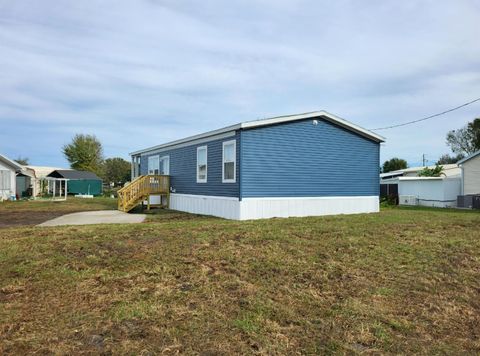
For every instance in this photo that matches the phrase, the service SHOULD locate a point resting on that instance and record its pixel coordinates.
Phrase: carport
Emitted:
(79, 182)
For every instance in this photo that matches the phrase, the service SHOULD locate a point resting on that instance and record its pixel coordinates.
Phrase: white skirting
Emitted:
(263, 208)
(224, 207)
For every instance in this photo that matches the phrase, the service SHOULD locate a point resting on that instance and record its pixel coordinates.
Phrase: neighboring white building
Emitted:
(42, 171)
(8, 171)
(470, 168)
(24, 181)
(426, 191)
(449, 170)
(438, 192)
(37, 174)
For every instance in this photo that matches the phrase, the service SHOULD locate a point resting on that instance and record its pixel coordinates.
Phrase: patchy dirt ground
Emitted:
(30, 213)
(26, 218)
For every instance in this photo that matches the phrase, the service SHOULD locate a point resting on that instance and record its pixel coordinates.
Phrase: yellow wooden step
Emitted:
(141, 188)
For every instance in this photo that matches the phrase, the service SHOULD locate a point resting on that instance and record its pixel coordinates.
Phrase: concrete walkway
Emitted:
(95, 217)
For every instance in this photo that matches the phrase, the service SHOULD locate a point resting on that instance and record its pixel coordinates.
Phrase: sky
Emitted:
(144, 72)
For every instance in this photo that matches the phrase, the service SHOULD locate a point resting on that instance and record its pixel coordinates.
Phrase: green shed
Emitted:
(79, 182)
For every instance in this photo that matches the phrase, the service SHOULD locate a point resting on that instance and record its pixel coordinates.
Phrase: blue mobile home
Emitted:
(298, 165)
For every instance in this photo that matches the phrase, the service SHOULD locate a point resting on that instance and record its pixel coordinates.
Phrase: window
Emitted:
(202, 164)
(153, 165)
(229, 162)
(159, 165)
(164, 165)
(5, 183)
(135, 166)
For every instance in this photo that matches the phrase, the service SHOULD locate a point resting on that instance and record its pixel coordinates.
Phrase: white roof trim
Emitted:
(172, 146)
(473, 155)
(11, 163)
(427, 178)
(187, 139)
(309, 115)
(272, 121)
(420, 178)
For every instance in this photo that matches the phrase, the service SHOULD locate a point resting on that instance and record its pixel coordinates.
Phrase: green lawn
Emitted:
(401, 281)
(71, 204)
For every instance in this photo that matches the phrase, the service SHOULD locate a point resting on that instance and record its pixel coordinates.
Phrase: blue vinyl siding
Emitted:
(299, 159)
(183, 169)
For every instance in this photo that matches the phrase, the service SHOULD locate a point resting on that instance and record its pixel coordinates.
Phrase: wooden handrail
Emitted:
(132, 182)
(141, 188)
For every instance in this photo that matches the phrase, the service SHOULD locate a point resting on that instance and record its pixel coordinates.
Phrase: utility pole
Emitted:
(423, 159)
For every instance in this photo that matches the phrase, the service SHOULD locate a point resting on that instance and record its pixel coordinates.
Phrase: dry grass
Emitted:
(402, 281)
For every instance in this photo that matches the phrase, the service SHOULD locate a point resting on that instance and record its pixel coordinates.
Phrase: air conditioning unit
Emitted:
(470, 201)
(407, 200)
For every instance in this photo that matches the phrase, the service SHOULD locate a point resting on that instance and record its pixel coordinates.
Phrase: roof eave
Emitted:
(11, 163)
(358, 129)
(473, 155)
(272, 121)
(420, 178)
(187, 139)
(311, 115)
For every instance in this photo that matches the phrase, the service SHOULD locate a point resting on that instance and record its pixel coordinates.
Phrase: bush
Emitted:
(389, 200)
(431, 172)
(109, 192)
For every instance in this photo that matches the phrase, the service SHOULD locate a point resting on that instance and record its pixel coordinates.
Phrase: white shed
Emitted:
(8, 170)
(440, 192)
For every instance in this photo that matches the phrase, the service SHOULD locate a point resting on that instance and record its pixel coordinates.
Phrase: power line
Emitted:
(426, 118)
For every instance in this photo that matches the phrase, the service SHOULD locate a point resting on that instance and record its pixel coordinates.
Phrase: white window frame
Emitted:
(200, 148)
(149, 164)
(165, 165)
(135, 167)
(227, 143)
(5, 180)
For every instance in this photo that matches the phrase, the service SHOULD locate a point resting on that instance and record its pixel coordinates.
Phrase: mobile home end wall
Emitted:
(308, 158)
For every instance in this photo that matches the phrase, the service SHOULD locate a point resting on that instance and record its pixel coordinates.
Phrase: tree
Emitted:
(465, 140)
(394, 164)
(85, 153)
(431, 172)
(22, 160)
(447, 159)
(116, 170)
